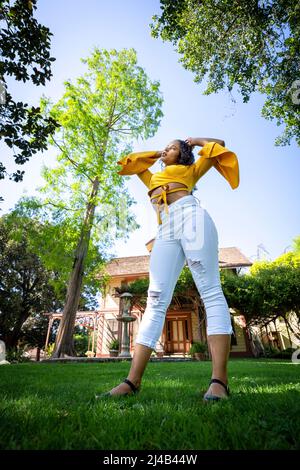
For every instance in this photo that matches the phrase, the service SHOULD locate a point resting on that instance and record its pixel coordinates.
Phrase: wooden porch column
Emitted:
(48, 332)
(93, 342)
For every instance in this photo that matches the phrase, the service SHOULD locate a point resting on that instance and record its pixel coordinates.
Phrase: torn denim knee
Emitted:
(153, 297)
(196, 264)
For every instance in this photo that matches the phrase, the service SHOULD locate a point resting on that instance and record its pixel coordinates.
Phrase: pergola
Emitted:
(88, 319)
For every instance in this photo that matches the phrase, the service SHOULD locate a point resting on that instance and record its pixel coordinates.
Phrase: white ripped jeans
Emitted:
(187, 233)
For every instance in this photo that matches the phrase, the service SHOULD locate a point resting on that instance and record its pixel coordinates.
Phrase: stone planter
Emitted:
(113, 352)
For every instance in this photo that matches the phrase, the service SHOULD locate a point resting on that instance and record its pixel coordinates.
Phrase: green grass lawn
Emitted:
(49, 406)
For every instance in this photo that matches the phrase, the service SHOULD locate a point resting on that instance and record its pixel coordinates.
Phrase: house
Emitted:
(277, 335)
(185, 319)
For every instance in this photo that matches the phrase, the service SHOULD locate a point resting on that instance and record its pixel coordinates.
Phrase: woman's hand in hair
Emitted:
(191, 142)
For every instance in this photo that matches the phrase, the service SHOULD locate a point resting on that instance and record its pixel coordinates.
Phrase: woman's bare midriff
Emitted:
(172, 197)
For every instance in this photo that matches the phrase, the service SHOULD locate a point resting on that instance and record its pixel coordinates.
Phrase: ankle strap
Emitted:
(221, 383)
(133, 387)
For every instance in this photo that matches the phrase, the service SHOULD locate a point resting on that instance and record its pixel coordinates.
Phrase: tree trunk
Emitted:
(288, 331)
(11, 339)
(268, 337)
(64, 345)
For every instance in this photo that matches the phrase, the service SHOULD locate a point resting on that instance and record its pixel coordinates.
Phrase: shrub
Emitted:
(81, 344)
(114, 344)
(285, 354)
(16, 354)
(198, 346)
(270, 351)
(49, 350)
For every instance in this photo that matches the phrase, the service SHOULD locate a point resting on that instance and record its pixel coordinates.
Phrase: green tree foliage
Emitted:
(34, 332)
(112, 104)
(30, 244)
(44, 225)
(81, 340)
(251, 44)
(271, 290)
(296, 245)
(24, 49)
(25, 287)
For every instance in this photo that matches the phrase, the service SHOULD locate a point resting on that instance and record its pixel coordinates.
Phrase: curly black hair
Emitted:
(186, 156)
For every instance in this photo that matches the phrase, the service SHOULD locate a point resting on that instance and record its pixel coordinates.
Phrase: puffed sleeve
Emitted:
(145, 177)
(135, 163)
(224, 160)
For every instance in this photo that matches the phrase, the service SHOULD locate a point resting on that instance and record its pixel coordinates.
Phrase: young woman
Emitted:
(186, 232)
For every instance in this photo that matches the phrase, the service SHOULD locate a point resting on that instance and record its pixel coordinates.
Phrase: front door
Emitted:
(177, 335)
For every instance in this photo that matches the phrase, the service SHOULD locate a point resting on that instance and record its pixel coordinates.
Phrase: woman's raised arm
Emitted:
(201, 141)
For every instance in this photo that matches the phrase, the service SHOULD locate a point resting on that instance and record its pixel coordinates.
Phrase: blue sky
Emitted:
(264, 209)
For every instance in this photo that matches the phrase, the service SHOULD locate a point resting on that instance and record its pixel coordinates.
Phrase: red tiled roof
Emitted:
(230, 257)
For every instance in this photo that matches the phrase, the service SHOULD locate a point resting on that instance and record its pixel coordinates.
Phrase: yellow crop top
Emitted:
(211, 154)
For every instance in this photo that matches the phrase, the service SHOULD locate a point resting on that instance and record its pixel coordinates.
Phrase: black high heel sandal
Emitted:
(127, 381)
(210, 397)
